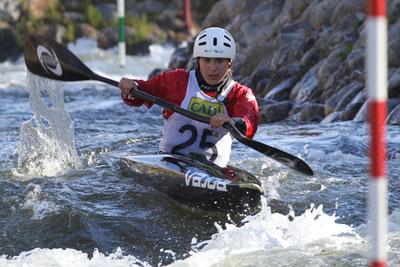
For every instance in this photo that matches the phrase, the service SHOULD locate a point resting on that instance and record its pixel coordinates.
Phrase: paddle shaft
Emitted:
(155, 100)
(51, 60)
(279, 155)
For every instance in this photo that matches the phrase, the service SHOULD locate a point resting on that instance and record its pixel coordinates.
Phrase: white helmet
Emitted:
(214, 42)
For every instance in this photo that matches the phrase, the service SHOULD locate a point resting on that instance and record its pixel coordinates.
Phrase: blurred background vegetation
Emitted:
(147, 21)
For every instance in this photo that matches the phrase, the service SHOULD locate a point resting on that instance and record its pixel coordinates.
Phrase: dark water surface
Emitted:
(99, 208)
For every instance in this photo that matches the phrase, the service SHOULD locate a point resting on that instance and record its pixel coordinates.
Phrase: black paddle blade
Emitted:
(49, 59)
(278, 155)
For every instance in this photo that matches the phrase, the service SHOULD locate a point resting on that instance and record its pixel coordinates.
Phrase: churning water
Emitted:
(74, 204)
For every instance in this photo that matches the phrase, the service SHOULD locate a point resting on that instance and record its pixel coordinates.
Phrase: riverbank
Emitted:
(303, 59)
(146, 22)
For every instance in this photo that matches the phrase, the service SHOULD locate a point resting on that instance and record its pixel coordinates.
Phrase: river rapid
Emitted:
(86, 209)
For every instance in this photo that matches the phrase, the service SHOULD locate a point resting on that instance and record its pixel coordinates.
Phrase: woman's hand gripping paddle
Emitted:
(49, 59)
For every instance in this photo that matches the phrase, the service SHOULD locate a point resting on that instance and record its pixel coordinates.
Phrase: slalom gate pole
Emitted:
(121, 33)
(188, 18)
(376, 70)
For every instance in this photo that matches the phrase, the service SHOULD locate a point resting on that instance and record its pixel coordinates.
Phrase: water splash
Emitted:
(266, 235)
(46, 145)
(70, 257)
(35, 201)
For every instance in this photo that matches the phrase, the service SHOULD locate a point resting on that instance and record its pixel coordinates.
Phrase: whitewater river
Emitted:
(86, 209)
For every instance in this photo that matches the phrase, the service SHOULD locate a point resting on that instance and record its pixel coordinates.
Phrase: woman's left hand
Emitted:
(219, 119)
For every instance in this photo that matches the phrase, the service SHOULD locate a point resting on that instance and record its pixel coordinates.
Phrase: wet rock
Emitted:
(350, 111)
(394, 45)
(258, 74)
(354, 107)
(253, 58)
(224, 12)
(275, 112)
(108, 38)
(355, 60)
(284, 73)
(108, 10)
(393, 10)
(261, 85)
(179, 58)
(88, 31)
(311, 112)
(394, 84)
(281, 92)
(264, 102)
(289, 48)
(361, 115)
(9, 44)
(307, 87)
(394, 116)
(288, 71)
(246, 81)
(290, 11)
(139, 48)
(392, 104)
(310, 58)
(341, 99)
(333, 117)
(321, 13)
(347, 7)
(328, 68)
(360, 97)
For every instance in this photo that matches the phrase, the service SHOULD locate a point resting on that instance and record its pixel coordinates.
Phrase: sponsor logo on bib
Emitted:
(205, 108)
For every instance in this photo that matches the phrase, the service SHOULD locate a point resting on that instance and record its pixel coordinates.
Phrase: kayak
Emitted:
(197, 182)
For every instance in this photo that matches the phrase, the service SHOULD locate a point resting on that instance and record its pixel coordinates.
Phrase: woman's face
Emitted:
(214, 70)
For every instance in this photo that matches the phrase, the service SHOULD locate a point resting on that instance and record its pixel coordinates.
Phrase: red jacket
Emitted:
(171, 86)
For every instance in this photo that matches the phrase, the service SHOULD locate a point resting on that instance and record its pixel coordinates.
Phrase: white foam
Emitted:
(12, 74)
(35, 201)
(70, 257)
(266, 233)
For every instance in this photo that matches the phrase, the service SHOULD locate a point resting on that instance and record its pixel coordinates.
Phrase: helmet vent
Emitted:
(214, 42)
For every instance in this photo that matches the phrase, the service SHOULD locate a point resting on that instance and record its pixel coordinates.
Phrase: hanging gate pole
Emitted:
(188, 18)
(121, 33)
(376, 70)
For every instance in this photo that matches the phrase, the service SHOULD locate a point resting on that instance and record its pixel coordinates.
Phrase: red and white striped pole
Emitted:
(188, 18)
(376, 59)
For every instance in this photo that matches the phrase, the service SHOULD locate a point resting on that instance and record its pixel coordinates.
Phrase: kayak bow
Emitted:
(197, 183)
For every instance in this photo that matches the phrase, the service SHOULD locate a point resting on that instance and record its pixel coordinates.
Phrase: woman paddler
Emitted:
(209, 91)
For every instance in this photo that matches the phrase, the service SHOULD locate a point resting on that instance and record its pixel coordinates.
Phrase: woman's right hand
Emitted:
(126, 86)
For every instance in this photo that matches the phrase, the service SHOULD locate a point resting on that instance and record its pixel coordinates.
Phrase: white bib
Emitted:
(183, 135)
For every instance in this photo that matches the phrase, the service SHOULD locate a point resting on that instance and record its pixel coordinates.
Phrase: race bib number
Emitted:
(205, 143)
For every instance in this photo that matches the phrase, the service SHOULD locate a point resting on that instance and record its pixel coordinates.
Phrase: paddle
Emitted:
(49, 59)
